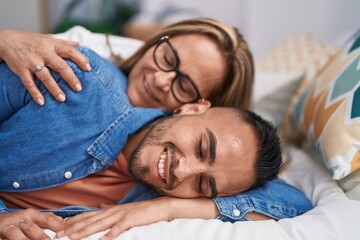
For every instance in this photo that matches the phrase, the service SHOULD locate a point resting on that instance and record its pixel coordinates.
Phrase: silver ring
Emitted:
(5, 229)
(38, 68)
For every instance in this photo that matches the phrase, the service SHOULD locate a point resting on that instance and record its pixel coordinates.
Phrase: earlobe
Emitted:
(193, 108)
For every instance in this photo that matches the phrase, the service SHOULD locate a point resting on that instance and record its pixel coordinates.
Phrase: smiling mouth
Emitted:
(161, 165)
(148, 90)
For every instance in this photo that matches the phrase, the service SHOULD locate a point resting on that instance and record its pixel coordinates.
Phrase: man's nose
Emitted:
(188, 168)
(163, 80)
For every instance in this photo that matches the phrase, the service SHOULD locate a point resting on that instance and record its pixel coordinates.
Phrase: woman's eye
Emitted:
(169, 61)
(182, 87)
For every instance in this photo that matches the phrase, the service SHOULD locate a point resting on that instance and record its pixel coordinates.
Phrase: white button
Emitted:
(68, 175)
(16, 185)
(103, 163)
(236, 212)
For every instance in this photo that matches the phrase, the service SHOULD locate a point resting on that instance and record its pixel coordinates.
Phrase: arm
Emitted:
(120, 218)
(23, 50)
(274, 200)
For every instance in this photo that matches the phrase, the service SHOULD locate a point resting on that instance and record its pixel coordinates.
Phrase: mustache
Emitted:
(174, 162)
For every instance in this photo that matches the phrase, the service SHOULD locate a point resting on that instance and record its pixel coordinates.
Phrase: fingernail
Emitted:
(88, 67)
(40, 101)
(61, 97)
(78, 87)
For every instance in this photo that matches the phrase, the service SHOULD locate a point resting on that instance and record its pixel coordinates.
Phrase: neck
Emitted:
(134, 140)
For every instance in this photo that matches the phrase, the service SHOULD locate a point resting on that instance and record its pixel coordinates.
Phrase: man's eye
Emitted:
(200, 149)
(200, 185)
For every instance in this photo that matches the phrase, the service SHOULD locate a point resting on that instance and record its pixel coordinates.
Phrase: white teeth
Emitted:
(161, 165)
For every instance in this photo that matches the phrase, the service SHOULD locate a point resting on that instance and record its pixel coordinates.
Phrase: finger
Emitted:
(95, 227)
(32, 231)
(73, 54)
(68, 42)
(84, 227)
(59, 65)
(14, 233)
(49, 82)
(28, 80)
(114, 231)
(78, 218)
(75, 223)
(51, 221)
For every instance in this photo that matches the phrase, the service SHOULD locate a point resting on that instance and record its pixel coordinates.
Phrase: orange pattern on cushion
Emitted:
(328, 111)
(323, 114)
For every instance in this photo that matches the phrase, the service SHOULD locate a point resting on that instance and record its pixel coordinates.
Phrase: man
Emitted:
(70, 155)
(193, 156)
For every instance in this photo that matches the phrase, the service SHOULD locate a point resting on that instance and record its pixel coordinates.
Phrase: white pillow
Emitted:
(97, 42)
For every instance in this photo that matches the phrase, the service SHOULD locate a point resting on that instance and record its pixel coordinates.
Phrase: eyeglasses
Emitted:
(166, 59)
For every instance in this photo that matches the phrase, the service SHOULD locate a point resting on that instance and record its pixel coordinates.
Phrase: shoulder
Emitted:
(101, 69)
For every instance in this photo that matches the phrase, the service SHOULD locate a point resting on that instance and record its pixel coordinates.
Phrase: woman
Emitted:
(168, 71)
(233, 86)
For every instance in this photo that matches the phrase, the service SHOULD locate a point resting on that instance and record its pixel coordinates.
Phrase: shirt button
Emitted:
(16, 185)
(68, 175)
(103, 163)
(236, 212)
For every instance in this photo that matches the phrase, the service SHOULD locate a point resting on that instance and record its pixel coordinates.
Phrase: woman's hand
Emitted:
(120, 218)
(23, 51)
(28, 224)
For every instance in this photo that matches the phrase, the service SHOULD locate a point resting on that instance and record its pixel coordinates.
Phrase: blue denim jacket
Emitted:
(42, 147)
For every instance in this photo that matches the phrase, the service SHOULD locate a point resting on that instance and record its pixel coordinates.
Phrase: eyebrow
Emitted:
(212, 157)
(212, 148)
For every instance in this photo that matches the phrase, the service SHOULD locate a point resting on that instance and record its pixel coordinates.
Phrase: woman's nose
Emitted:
(163, 80)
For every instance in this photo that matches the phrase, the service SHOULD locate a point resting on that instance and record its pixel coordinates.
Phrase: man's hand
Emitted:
(28, 224)
(120, 218)
(23, 51)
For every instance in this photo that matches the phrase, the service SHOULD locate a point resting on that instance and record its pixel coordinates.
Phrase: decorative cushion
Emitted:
(281, 73)
(328, 111)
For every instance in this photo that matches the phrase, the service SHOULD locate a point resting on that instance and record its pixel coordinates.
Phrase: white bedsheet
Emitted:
(335, 217)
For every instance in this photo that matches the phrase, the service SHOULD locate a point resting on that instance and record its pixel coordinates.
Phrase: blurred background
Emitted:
(264, 23)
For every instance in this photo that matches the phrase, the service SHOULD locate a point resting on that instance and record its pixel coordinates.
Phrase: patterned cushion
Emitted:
(328, 111)
(285, 71)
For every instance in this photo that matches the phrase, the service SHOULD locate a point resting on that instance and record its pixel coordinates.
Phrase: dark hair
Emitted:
(268, 155)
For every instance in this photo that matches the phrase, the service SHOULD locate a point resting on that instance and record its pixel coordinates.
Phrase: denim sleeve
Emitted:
(13, 94)
(276, 199)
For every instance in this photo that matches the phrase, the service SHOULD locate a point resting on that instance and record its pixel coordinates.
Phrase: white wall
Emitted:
(27, 15)
(264, 23)
(270, 22)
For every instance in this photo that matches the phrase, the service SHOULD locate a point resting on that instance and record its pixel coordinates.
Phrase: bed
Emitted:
(337, 207)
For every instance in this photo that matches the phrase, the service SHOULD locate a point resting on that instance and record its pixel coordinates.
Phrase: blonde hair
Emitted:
(236, 90)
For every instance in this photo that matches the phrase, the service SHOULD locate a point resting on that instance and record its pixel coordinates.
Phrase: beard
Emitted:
(154, 136)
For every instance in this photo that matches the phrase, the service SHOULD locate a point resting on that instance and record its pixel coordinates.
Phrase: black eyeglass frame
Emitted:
(165, 39)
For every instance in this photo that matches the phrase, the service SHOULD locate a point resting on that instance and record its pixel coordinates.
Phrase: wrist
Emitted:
(203, 208)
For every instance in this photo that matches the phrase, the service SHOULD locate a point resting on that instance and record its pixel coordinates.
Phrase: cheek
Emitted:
(183, 190)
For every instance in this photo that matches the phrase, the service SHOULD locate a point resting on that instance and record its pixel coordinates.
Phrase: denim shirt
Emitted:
(47, 146)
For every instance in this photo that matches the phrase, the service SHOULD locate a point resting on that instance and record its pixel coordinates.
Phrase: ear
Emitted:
(193, 108)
